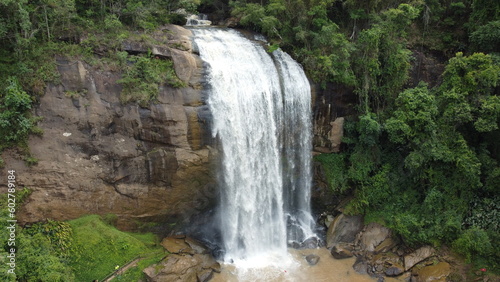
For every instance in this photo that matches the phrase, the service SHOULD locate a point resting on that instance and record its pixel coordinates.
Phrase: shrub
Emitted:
(473, 242)
(15, 123)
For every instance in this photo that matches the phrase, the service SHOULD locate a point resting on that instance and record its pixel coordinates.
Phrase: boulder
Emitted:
(342, 250)
(343, 229)
(189, 261)
(437, 272)
(372, 236)
(394, 270)
(183, 267)
(312, 259)
(417, 256)
(389, 264)
(175, 245)
(361, 265)
(386, 245)
(310, 243)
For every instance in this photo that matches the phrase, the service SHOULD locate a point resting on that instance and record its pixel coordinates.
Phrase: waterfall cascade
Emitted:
(261, 110)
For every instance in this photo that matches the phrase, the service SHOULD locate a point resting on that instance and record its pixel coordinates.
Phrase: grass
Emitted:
(98, 248)
(135, 273)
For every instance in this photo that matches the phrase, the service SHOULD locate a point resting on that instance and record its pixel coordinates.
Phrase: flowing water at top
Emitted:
(261, 110)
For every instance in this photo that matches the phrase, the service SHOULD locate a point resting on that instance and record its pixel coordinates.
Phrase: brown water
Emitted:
(297, 269)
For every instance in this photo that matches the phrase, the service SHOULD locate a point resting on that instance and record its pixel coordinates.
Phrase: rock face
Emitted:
(98, 156)
(331, 104)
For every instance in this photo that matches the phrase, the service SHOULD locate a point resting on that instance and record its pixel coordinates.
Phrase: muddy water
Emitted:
(295, 269)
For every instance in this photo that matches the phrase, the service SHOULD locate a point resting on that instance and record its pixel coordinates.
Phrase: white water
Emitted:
(261, 118)
(197, 20)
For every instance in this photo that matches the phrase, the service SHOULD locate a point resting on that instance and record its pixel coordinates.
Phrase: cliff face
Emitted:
(99, 156)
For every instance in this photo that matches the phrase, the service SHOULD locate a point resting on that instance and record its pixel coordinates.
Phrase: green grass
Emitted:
(98, 248)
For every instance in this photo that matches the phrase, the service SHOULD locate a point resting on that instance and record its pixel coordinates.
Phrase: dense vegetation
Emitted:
(421, 160)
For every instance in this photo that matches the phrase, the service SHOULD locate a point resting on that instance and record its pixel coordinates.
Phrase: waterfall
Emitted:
(261, 110)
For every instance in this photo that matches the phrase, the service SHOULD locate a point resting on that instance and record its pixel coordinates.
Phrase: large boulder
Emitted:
(342, 250)
(437, 272)
(372, 236)
(343, 229)
(417, 256)
(185, 268)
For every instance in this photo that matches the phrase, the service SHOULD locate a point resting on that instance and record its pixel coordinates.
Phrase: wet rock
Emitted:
(197, 246)
(342, 251)
(205, 275)
(361, 266)
(343, 229)
(437, 272)
(381, 262)
(312, 259)
(394, 270)
(417, 256)
(310, 243)
(294, 245)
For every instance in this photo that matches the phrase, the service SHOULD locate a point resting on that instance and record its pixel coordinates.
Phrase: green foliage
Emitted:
(110, 218)
(38, 261)
(487, 37)
(333, 165)
(473, 242)
(141, 80)
(428, 165)
(15, 120)
(467, 92)
(58, 233)
(135, 273)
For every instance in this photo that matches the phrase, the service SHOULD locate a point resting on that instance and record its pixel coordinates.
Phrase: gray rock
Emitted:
(205, 275)
(342, 251)
(343, 229)
(312, 259)
(373, 235)
(394, 270)
(310, 243)
(417, 256)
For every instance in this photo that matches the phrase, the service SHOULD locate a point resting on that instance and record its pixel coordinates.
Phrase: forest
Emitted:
(420, 158)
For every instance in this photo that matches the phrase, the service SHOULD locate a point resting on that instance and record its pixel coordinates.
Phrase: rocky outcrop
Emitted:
(99, 156)
(331, 105)
(189, 261)
(380, 254)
